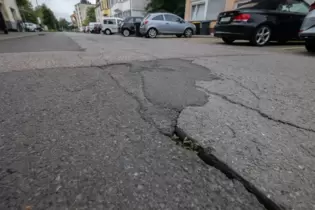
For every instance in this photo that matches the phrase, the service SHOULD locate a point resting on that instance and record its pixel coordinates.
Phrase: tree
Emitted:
(173, 6)
(90, 16)
(48, 17)
(27, 12)
(63, 24)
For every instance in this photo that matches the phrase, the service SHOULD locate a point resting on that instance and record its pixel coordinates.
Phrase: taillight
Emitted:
(241, 18)
(312, 7)
(145, 22)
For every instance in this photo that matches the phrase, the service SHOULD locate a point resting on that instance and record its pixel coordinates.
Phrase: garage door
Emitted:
(198, 12)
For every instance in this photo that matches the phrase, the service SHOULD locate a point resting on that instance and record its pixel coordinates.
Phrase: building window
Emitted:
(198, 12)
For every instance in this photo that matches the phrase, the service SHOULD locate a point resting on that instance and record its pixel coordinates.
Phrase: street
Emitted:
(107, 122)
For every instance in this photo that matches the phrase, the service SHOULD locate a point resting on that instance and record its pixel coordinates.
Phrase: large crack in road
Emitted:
(174, 89)
(72, 138)
(146, 101)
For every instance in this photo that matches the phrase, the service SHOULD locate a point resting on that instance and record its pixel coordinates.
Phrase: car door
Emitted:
(159, 23)
(293, 12)
(174, 24)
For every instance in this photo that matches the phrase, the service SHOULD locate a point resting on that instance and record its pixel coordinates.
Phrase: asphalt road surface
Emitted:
(106, 122)
(39, 43)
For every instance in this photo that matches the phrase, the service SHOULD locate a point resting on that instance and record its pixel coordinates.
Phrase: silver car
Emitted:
(307, 31)
(166, 23)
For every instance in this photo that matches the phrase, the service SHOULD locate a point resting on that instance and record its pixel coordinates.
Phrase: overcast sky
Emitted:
(61, 8)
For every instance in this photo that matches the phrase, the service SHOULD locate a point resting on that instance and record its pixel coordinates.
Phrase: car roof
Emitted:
(162, 13)
(105, 18)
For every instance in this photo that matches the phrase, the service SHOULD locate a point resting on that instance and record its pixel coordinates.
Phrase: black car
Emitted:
(128, 27)
(261, 21)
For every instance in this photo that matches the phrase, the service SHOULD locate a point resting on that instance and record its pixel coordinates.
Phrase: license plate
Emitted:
(225, 19)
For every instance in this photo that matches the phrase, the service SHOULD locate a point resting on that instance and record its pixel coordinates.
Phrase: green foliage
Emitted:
(48, 17)
(90, 16)
(173, 6)
(63, 24)
(27, 12)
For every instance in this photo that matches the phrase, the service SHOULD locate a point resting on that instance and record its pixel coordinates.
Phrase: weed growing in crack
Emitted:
(186, 143)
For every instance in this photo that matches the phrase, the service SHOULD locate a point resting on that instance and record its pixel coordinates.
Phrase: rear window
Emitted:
(138, 19)
(294, 6)
(127, 20)
(109, 21)
(147, 17)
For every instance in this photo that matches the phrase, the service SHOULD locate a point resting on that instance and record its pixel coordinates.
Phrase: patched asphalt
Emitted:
(73, 138)
(249, 108)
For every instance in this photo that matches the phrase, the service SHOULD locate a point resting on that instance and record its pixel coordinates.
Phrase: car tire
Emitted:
(152, 33)
(108, 32)
(261, 36)
(310, 46)
(179, 35)
(188, 33)
(126, 32)
(228, 40)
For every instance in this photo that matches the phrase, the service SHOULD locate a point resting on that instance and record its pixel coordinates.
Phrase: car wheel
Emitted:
(188, 33)
(108, 32)
(261, 36)
(126, 32)
(228, 40)
(310, 46)
(179, 35)
(152, 33)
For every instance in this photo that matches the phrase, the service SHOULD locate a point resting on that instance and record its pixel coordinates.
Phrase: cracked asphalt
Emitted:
(102, 122)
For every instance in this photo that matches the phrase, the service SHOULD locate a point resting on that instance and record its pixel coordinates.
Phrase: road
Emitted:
(107, 122)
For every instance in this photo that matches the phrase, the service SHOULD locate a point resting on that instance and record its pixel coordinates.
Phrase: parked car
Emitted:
(127, 26)
(94, 27)
(166, 23)
(307, 31)
(261, 21)
(110, 25)
(31, 27)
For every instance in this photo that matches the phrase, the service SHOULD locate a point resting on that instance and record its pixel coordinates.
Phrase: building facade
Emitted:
(80, 10)
(125, 8)
(105, 8)
(98, 11)
(198, 10)
(11, 14)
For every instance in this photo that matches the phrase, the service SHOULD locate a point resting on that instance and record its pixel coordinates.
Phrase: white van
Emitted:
(110, 25)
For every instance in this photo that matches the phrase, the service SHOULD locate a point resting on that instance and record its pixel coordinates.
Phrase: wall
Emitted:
(105, 7)
(81, 13)
(128, 7)
(98, 14)
(214, 8)
(12, 20)
(120, 7)
(139, 5)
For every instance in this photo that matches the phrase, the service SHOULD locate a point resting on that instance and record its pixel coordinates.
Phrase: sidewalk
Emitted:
(15, 35)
